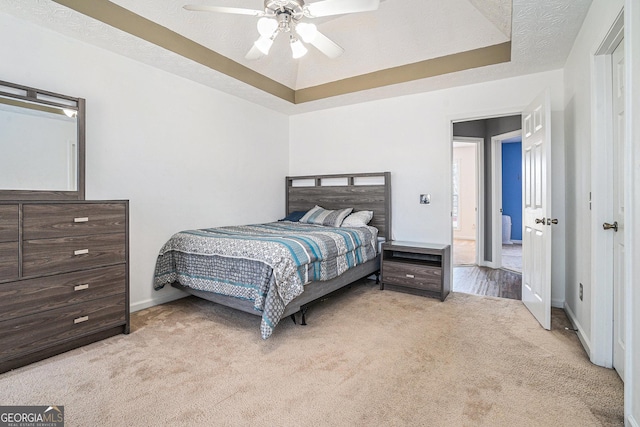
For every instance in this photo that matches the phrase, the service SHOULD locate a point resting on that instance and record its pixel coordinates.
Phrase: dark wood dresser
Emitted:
(64, 276)
(418, 268)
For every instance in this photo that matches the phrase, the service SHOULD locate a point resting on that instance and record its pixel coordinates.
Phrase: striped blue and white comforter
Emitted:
(268, 264)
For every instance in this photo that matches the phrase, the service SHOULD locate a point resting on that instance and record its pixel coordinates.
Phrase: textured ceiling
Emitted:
(401, 32)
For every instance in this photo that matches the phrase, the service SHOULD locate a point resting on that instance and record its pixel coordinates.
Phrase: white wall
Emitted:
(410, 136)
(185, 155)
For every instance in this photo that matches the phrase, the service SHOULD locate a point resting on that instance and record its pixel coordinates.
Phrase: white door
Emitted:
(536, 239)
(618, 209)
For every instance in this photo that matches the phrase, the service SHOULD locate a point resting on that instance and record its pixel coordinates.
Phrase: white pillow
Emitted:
(358, 219)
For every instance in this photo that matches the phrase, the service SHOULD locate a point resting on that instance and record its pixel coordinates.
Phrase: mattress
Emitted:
(268, 264)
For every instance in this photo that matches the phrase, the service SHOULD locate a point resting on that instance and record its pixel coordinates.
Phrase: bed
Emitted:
(265, 270)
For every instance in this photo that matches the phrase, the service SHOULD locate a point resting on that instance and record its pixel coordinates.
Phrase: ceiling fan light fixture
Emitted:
(307, 31)
(264, 44)
(284, 16)
(297, 48)
(267, 26)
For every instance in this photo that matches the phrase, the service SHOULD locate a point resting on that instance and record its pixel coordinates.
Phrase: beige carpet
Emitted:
(367, 358)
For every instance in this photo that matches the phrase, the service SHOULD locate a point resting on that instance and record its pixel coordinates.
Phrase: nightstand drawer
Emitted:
(31, 333)
(413, 276)
(44, 221)
(61, 255)
(46, 293)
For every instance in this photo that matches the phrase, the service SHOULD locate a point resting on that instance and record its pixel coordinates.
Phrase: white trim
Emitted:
(496, 192)
(480, 190)
(579, 330)
(455, 162)
(483, 115)
(141, 305)
(632, 209)
(557, 303)
(602, 198)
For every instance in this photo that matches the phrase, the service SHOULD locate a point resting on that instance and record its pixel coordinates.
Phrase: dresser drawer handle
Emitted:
(410, 276)
(81, 219)
(81, 252)
(80, 319)
(81, 287)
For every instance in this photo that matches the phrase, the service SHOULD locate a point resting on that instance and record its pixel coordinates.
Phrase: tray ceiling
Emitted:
(406, 46)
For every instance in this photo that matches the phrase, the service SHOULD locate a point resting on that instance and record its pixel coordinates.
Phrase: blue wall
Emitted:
(512, 186)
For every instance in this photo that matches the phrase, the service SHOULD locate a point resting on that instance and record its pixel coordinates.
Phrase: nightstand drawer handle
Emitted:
(80, 319)
(81, 252)
(81, 287)
(81, 219)
(410, 276)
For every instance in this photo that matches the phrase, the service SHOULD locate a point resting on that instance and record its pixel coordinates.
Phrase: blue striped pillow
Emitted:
(320, 216)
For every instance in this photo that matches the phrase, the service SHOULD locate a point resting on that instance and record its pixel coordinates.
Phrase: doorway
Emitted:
(476, 225)
(608, 189)
(507, 199)
(464, 212)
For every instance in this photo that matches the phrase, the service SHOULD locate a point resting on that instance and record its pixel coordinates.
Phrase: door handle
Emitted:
(613, 226)
(551, 221)
(542, 221)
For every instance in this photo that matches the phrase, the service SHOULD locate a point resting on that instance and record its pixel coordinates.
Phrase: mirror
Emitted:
(42, 144)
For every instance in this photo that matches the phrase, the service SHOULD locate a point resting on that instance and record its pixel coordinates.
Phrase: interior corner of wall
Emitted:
(584, 339)
(151, 302)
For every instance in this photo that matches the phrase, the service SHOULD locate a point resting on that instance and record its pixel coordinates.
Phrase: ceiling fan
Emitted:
(285, 16)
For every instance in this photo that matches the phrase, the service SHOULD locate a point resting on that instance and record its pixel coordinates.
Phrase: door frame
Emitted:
(496, 192)
(479, 142)
(601, 349)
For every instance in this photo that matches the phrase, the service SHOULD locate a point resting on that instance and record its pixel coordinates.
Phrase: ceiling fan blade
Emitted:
(339, 7)
(222, 9)
(327, 46)
(254, 53)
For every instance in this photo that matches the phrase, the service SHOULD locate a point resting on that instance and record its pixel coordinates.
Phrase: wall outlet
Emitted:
(581, 292)
(425, 199)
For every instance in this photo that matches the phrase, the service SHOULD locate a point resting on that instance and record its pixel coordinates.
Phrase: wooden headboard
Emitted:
(360, 191)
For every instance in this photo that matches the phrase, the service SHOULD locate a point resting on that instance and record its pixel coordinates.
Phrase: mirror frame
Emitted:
(30, 94)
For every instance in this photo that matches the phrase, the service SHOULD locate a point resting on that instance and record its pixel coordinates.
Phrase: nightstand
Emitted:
(417, 268)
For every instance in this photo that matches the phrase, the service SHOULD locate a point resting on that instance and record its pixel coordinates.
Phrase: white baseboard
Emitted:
(141, 305)
(517, 242)
(580, 331)
(556, 303)
(631, 421)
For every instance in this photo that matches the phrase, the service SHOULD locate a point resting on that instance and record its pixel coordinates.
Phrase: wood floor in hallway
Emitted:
(487, 281)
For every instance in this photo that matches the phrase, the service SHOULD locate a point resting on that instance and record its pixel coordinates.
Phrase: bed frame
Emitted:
(362, 191)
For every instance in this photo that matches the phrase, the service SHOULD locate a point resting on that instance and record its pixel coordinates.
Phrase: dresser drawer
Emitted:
(45, 293)
(413, 276)
(44, 221)
(9, 223)
(8, 261)
(38, 331)
(48, 256)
